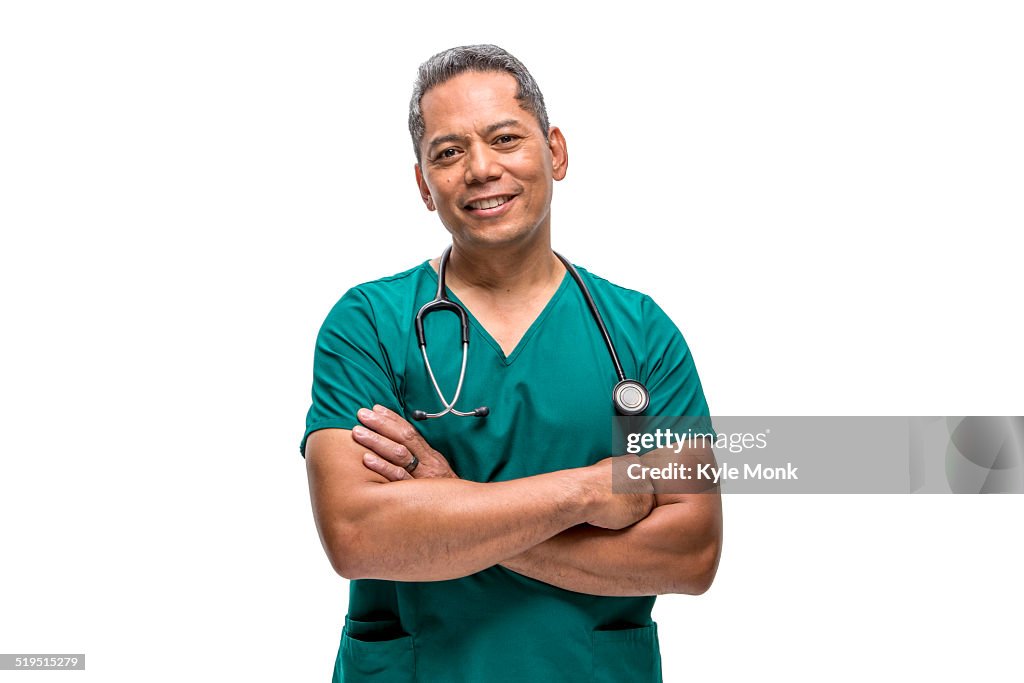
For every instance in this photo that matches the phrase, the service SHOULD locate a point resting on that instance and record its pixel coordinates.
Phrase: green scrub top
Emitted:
(550, 409)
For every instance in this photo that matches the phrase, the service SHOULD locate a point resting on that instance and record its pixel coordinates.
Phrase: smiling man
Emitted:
(487, 544)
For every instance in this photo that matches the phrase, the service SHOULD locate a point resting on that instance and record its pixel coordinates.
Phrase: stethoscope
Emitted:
(629, 396)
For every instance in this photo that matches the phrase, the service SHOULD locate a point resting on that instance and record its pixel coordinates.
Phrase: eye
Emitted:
(446, 154)
(506, 139)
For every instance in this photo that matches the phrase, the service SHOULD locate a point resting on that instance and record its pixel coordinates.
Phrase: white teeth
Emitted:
(488, 203)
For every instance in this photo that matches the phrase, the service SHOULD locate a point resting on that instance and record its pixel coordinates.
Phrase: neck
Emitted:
(508, 269)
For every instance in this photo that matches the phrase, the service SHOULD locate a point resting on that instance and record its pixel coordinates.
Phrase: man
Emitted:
(493, 548)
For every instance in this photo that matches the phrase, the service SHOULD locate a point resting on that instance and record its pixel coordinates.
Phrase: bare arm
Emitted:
(444, 528)
(675, 549)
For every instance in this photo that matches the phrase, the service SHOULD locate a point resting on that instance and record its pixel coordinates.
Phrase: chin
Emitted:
(496, 234)
(490, 237)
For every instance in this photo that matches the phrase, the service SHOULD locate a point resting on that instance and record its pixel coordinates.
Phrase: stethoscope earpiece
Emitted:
(482, 411)
(629, 396)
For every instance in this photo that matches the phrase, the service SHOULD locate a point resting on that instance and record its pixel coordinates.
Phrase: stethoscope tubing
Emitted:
(596, 313)
(630, 397)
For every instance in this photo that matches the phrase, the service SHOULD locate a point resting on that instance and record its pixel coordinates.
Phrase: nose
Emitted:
(482, 164)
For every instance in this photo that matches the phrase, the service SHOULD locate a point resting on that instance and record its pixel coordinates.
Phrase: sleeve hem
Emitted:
(337, 423)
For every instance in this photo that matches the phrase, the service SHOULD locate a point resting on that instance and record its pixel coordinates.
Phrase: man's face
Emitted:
(486, 167)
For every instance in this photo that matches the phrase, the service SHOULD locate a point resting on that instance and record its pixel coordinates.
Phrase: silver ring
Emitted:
(413, 464)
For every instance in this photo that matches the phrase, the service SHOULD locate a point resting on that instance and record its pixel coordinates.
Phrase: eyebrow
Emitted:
(494, 127)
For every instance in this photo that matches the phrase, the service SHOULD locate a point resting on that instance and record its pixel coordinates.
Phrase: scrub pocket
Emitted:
(376, 651)
(627, 655)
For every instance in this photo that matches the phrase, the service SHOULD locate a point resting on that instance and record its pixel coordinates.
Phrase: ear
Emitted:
(559, 153)
(424, 190)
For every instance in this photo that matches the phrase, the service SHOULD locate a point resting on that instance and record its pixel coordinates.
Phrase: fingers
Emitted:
(393, 439)
(382, 446)
(384, 468)
(393, 426)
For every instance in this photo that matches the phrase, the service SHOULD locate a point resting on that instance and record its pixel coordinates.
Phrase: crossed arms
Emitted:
(565, 528)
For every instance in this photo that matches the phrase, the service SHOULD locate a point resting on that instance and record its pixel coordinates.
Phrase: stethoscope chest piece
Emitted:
(630, 397)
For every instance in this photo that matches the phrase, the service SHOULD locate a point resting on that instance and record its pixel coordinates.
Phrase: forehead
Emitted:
(470, 101)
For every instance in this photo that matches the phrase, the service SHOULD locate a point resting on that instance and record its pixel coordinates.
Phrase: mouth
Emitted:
(490, 206)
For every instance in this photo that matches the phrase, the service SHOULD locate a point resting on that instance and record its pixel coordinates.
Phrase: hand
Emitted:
(617, 510)
(392, 443)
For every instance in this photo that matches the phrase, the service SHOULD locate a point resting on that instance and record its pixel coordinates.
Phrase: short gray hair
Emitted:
(446, 65)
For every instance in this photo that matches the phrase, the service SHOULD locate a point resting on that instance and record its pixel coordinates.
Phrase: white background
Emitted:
(825, 196)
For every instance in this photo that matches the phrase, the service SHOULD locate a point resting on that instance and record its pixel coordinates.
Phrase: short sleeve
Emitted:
(350, 367)
(671, 379)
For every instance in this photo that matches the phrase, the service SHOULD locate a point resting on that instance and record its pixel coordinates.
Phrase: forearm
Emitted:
(673, 550)
(437, 529)
(378, 521)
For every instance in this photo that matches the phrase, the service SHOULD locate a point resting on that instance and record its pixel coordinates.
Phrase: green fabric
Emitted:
(550, 409)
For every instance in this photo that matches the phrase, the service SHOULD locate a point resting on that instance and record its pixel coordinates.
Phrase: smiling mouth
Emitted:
(491, 203)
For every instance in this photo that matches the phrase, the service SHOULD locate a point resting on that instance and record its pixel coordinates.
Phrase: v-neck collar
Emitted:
(530, 331)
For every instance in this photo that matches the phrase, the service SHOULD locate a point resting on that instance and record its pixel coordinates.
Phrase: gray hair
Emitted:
(446, 65)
